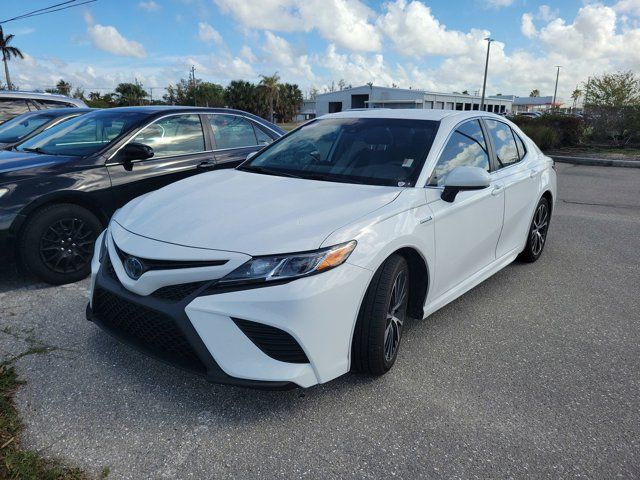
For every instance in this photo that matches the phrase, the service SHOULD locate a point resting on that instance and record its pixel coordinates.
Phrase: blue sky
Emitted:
(434, 45)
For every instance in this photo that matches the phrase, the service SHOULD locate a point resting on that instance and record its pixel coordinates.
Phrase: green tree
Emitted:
(209, 94)
(535, 93)
(289, 102)
(8, 52)
(62, 88)
(575, 95)
(269, 89)
(618, 89)
(130, 94)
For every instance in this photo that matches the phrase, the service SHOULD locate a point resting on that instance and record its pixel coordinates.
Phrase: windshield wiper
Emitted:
(267, 171)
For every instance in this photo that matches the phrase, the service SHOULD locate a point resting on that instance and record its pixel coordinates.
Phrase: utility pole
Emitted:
(486, 68)
(193, 79)
(555, 91)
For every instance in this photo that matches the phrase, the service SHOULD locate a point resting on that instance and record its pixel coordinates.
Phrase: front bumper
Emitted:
(203, 330)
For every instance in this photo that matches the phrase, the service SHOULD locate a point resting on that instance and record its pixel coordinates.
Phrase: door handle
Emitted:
(207, 164)
(497, 190)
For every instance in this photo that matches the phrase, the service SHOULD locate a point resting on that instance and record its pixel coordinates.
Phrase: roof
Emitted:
(410, 113)
(533, 100)
(41, 96)
(416, 91)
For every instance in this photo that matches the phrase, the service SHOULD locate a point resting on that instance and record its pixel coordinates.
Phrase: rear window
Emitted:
(10, 108)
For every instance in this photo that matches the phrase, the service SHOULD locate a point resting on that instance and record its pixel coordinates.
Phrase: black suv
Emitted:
(59, 188)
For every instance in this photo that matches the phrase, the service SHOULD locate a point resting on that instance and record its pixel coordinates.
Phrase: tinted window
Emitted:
(54, 104)
(11, 108)
(231, 131)
(466, 147)
(19, 127)
(376, 151)
(174, 135)
(522, 150)
(84, 135)
(262, 136)
(503, 143)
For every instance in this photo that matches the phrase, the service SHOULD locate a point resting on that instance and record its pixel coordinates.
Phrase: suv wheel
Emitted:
(378, 331)
(57, 243)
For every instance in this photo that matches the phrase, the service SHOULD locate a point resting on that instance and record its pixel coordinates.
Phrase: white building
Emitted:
(387, 97)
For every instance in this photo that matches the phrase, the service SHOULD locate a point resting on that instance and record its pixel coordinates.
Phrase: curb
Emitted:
(599, 162)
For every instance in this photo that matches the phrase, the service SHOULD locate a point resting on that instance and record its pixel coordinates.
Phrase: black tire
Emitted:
(369, 352)
(537, 236)
(45, 247)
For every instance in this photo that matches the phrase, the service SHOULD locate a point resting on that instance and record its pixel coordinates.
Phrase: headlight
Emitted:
(286, 267)
(3, 191)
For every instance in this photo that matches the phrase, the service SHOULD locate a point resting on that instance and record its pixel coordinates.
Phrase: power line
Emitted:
(53, 8)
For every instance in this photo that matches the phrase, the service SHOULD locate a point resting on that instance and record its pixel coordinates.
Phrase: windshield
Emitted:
(19, 127)
(84, 135)
(374, 151)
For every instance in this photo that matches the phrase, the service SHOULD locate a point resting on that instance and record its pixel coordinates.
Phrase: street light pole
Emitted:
(555, 91)
(486, 68)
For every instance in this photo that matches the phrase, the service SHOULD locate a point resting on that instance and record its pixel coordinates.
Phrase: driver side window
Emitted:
(466, 147)
(173, 135)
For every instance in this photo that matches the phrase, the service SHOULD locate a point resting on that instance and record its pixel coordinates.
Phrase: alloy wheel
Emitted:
(67, 245)
(395, 316)
(539, 229)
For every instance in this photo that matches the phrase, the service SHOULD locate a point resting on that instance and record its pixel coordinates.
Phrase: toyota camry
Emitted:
(304, 262)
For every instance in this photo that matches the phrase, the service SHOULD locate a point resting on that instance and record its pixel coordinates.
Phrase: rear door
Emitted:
(515, 169)
(234, 137)
(180, 150)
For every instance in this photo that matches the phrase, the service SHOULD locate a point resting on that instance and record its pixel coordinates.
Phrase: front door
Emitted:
(467, 229)
(178, 144)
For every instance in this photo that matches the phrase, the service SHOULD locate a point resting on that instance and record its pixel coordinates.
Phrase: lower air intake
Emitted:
(274, 342)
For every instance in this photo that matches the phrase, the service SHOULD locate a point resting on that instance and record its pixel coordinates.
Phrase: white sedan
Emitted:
(304, 262)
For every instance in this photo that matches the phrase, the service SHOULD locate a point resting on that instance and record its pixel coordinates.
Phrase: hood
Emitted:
(12, 160)
(249, 212)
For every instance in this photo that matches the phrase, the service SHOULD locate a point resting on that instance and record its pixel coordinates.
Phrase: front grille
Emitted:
(276, 343)
(146, 328)
(176, 293)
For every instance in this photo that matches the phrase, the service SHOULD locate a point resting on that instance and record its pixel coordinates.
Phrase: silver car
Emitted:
(14, 103)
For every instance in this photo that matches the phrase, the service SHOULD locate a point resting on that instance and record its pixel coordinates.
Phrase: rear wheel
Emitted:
(537, 237)
(57, 243)
(378, 331)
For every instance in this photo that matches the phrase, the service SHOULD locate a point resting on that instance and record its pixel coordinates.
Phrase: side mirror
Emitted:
(134, 151)
(251, 155)
(464, 178)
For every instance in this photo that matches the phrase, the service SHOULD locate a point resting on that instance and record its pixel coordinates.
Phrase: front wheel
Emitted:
(537, 237)
(376, 339)
(57, 243)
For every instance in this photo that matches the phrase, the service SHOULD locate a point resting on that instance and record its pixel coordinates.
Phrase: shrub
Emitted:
(552, 130)
(617, 126)
(545, 137)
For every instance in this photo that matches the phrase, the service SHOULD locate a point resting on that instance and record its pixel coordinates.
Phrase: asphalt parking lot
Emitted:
(535, 373)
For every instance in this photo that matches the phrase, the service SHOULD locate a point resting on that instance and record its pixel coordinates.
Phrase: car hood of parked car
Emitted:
(11, 161)
(250, 213)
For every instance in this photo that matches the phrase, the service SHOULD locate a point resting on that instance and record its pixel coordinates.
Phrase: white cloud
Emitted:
(247, 54)
(108, 39)
(281, 55)
(415, 31)
(631, 7)
(207, 33)
(546, 13)
(149, 6)
(345, 22)
(527, 27)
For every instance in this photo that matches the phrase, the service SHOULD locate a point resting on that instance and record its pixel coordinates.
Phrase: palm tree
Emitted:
(7, 53)
(269, 87)
(535, 93)
(577, 93)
